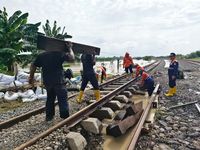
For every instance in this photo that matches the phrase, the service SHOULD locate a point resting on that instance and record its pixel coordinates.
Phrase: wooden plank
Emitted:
(53, 44)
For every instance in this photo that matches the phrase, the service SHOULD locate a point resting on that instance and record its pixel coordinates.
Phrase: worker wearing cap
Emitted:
(172, 74)
(128, 63)
(53, 78)
(147, 81)
(88, 61)
(138, 68)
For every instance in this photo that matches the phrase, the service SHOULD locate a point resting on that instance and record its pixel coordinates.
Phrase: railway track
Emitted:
(123, 85)
(194, 62)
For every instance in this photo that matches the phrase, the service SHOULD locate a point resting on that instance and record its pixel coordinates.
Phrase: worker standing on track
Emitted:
(88, 61)
(138, 68)
(53, 78)
(128, 63)
(172, 74)
(147, 81)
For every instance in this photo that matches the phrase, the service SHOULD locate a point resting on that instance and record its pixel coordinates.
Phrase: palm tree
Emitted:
(55, 31)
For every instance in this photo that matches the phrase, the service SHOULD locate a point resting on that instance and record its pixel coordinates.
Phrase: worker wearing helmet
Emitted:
(128, 63)
(88, 61)
(172, 74)
(147, 81)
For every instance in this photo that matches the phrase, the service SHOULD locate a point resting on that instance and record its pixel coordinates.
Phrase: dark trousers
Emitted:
(89, 77)
(102, 77)
(149, 85)
(60, 92)
(172, 83)
(129, 69)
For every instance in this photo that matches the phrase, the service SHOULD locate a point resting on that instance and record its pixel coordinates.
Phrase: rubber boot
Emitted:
(174, 90)
(97, 94)
(80, 97)
(170, 93)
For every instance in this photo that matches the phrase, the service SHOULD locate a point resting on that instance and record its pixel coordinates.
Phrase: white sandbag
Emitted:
(3, 85)
(42, 96)
(26, 94)
(39, 91)
(30, 99)
(25, 83)
(11, 96)
(6, 79)
(1, 95)
(22, 77)
(17, 83)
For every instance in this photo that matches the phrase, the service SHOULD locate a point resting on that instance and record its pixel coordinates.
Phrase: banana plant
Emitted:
(55, 31)
(13, 32)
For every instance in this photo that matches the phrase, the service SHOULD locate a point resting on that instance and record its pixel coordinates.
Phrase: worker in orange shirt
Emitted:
(147, 82)
(138, 68)
(128, 63)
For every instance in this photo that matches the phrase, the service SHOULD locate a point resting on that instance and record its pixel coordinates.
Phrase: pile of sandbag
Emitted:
(26, 96)
(7, 81)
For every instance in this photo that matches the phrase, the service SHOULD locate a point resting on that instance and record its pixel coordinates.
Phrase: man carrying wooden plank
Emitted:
(53, 78)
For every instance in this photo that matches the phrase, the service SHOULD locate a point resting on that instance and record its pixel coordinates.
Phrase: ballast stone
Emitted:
(76, 141)
(92, 125)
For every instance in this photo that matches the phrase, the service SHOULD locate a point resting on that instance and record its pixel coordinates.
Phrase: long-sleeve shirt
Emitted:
(138, 68)
(173, 68)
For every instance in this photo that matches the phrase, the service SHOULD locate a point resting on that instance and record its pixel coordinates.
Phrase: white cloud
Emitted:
(142, 27)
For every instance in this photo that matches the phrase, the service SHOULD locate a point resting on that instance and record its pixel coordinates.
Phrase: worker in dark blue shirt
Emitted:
(88, 61)
(172, 74)
(53, 79)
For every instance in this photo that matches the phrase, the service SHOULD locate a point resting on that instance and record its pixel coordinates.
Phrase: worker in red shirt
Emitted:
(128, 63)
(147, 82)
(138, 67)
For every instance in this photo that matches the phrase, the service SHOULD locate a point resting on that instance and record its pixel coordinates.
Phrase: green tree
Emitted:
(55, 31)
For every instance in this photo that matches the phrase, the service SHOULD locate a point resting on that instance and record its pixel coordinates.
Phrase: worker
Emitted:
(88, 61)
(128, 63)
(147, 82)
(101, 70)
(172, 74)
(138, 68)
(53, 79)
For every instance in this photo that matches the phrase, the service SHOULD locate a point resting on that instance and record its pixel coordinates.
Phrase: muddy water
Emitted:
(122, 142)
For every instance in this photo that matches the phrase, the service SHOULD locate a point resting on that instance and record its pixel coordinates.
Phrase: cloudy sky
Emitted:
(141, 27)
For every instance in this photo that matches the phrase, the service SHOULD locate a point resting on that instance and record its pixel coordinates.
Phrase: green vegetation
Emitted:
(55, 31)
(193, 55)
(13, 32)
(148, 58)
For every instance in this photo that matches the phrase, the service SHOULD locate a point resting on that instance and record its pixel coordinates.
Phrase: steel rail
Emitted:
(136, 131)
(80, 115)
(12, 121)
